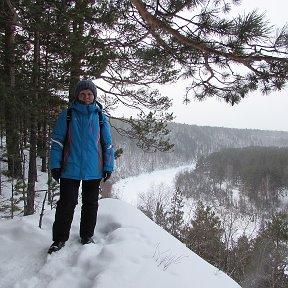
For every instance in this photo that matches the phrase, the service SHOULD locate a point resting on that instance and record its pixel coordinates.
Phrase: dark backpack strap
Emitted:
(101, 122)
(68, 120)
(68, 117)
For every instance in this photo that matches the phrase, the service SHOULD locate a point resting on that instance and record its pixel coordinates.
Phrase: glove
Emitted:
(107, 175)
(56, 173)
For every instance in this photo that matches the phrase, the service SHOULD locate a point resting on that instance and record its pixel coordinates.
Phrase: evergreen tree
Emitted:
(175, 221)
(268, 262)
(239, 258)
(208, 43)
(9, 93)
(205, 234)
(160, 216)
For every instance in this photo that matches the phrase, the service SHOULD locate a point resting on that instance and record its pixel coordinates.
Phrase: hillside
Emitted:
(190, 143)
(24, 246)
(130, 251)
(257, 175)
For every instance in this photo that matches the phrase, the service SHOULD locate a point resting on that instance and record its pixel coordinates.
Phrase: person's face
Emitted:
(86, 96)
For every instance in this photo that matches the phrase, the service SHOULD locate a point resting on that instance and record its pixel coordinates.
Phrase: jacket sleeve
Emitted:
(57, 141)
(107, 146)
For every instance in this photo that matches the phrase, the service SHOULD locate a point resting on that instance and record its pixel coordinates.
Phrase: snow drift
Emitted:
(130, 251)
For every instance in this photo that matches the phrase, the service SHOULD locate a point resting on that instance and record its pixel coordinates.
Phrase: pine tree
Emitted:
(160, 216)
(208, 43)
(8, 77)
(239, 258)
(268, 262)
(175, 221)
(204, 235)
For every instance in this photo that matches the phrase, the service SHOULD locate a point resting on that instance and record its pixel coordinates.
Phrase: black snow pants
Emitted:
(67, 202)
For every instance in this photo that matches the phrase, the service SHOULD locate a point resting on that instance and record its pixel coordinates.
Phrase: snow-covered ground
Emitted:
(131, 251)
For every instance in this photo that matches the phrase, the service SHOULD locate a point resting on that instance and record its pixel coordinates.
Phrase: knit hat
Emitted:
(83, 85)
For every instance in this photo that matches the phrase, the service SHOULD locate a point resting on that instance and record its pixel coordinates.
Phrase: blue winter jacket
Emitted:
(84, 157)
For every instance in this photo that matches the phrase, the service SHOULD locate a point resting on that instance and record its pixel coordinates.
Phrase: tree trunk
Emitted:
(32, 173)
(77, 53)
(41, 142)
(0, 176)
(44, 146)
(12, 135)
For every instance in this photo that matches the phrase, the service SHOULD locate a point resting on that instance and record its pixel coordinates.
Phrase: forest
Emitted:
(240, 213)
(247, 184)
(190, 142)
(259, 173)
(127, 47)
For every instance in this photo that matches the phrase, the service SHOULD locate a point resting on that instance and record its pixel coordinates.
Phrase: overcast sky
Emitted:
(255, 111)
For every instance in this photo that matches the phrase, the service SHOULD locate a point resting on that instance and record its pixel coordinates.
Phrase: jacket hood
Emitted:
(85, 109)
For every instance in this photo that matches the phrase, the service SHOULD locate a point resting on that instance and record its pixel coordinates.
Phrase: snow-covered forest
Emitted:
(230, 205)
(190, 143)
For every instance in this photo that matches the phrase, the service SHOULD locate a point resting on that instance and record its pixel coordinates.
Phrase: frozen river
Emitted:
(129, 189)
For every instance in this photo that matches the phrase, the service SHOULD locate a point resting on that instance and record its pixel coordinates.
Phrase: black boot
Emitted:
(87, 240)
(56, 246)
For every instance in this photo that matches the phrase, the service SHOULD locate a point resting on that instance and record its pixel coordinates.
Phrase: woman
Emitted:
(81, 150)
